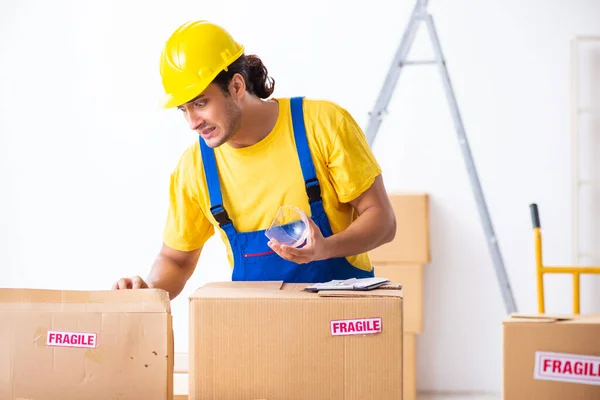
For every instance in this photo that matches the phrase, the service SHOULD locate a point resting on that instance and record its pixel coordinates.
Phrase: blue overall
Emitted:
(253, 258)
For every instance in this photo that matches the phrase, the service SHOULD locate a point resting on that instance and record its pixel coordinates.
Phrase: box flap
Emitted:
(582, 319)
(247, 289)
(294, 287)
(531, 319)
(553, 318)
(393, 290)
(139, 300)
(274, 285)
(211, 288)
(247, 293)
(277, 289)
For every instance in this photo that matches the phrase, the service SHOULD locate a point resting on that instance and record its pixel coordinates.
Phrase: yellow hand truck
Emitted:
(542, 269)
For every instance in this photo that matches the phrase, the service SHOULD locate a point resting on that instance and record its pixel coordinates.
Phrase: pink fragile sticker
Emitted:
(359, 326)
(71, 339)
(566, 367)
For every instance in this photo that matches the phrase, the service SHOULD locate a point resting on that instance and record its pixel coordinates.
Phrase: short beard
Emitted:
(233, 118)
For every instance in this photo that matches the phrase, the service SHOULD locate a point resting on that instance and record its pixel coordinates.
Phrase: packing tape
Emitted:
(39, 338)
(97, 354)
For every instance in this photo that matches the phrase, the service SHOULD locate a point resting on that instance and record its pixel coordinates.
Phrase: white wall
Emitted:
(86, 152)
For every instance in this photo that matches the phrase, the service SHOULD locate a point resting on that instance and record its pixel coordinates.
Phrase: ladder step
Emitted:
(418, 62)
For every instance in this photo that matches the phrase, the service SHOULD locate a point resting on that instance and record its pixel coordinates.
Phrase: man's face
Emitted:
(214, 115)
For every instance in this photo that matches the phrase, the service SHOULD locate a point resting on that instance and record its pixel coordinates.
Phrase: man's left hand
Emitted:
(314, 249)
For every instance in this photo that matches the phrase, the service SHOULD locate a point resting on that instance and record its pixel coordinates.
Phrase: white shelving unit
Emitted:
(585, 135)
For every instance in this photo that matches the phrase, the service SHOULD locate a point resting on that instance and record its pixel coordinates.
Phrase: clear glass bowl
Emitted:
(289, 227)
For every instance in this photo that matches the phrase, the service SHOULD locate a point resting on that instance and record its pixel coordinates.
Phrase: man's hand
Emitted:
(375, 225)
(134, 282)
(170, 272)
(314, 249)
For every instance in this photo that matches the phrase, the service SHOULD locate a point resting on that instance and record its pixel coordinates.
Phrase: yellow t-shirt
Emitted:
(257, 180)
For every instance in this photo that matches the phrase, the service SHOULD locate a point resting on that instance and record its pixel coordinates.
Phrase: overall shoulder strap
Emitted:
(212, 181)
(313, 189)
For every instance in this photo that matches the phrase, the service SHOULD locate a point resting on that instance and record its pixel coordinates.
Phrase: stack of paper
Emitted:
(349, 284)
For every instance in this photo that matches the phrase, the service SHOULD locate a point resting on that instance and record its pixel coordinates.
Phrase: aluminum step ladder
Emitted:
(418, 15)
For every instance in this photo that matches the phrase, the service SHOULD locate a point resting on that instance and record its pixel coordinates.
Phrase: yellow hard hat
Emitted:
(192, 57)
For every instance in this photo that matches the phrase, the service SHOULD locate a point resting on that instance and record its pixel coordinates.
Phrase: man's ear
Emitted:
(237, 86)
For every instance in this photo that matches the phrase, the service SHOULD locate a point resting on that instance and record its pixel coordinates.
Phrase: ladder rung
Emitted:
(418, 62)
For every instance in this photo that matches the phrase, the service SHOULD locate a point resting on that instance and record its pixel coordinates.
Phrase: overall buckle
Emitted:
(220, 214)
(313, 190)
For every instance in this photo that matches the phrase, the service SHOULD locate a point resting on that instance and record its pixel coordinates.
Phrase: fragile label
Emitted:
(361, 326)
(564, 367)
(71, 339)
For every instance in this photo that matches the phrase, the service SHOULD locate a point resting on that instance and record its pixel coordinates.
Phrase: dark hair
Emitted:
(256, 76)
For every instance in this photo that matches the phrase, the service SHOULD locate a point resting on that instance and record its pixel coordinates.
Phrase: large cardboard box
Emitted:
(411, 243)
(551, 357)
(269, 340)
(410, 276)
(85, 345)
(409, 377)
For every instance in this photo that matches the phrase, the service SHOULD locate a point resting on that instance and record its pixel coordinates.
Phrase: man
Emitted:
(255, 154)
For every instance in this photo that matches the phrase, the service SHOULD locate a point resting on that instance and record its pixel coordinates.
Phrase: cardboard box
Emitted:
(269, 340)
(411, 278)
(411, 243)
(551, 357)
(85, 345)
(410, 366)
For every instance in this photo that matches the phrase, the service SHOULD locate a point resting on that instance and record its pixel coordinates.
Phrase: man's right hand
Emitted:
(170, 272)
(134, 282)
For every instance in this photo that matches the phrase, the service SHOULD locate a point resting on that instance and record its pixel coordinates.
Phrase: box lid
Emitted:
(552, 318)
(49, 300)
(278, 289)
